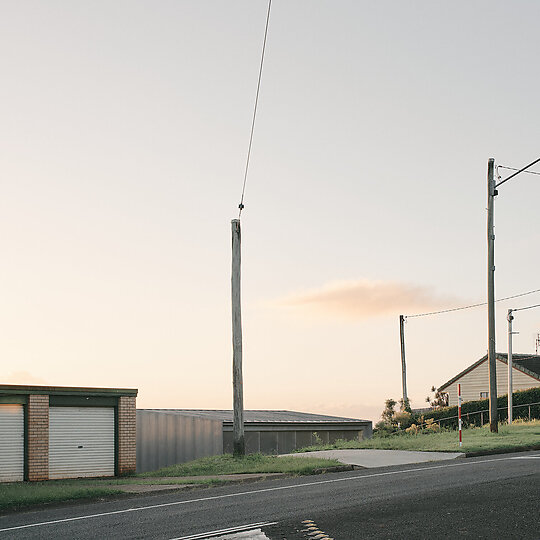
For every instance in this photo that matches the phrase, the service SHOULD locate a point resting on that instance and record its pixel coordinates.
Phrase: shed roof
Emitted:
(526, 363)
(263, 416)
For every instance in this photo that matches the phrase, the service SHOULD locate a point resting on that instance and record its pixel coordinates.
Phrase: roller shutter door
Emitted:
(11, 443)
(81, 442)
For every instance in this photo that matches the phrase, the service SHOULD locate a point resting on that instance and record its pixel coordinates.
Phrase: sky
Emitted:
(123, 139)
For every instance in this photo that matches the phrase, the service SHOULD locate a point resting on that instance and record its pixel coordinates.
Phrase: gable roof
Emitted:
(526, 363)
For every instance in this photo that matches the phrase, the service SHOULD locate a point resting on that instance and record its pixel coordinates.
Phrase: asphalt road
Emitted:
(489, 497)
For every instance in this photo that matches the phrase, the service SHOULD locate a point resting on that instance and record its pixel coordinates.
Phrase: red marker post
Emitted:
(459, 412)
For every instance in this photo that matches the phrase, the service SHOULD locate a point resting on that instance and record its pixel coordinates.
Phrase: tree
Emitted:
(440, 399)
(405, 405)
(388, 412)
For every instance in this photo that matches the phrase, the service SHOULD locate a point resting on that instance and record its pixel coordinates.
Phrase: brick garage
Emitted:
(65, 432)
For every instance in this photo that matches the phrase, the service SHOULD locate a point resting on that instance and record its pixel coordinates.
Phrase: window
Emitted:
(484, 395)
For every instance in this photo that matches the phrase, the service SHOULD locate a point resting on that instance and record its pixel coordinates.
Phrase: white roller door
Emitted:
(81, 442)
(11, 443)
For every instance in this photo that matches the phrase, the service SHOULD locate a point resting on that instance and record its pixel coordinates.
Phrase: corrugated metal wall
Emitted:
(286, 441)
(165, 438)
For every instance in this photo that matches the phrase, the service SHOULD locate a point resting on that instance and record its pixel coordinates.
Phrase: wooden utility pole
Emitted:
(239, 448)
(492, 192)
(403, 365)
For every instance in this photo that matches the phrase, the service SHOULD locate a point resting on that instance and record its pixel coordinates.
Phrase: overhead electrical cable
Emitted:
(471, 305)
(514, 169)
(523, 169)
(527, 307)
(241, 205)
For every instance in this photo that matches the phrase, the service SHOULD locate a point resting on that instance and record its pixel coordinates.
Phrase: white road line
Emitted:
(526, 457)
(225, 531)
(264, 490)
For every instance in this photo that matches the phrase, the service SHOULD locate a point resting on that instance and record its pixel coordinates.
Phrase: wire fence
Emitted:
(482, 417)
(466, 417)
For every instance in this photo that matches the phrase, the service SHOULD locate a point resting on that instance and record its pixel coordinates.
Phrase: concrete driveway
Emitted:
(380, 458)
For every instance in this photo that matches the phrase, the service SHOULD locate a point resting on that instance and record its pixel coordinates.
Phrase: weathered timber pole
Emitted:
(403, 365)
(239, 448)
(492, 192)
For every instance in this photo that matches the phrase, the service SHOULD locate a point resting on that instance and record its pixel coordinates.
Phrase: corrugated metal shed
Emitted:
(164, 434)
(265, 416)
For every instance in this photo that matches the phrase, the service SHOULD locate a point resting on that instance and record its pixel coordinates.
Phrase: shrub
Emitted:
(404, 418)
(413, 428)
(382, 429)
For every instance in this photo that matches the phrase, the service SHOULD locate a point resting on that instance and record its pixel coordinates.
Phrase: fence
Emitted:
(452, 421)
(484, 414)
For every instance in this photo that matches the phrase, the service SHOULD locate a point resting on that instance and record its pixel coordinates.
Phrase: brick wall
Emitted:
(38, 437)
(127, 435)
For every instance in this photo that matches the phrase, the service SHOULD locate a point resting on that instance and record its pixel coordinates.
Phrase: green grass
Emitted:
(253, 463)
(21, 494)
(519, 434)
(138, 480)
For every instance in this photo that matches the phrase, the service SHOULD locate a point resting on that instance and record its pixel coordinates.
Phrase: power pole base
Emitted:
(239, 448)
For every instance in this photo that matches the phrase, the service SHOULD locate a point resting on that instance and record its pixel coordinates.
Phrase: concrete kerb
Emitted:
(379, 458)
(383, 458)
(189, 482)
(507, 450)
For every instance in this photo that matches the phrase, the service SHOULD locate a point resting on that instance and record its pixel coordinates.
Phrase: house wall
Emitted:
(477, 380)
(165, 438)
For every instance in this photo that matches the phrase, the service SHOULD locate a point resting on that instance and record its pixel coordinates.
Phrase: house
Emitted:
(169, 436)
(52, 432)
(475, 379)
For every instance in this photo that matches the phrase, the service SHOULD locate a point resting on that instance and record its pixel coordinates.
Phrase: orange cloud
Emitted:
(361, 299)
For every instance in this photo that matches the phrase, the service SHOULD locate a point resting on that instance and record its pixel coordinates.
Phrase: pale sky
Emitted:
(123, 134)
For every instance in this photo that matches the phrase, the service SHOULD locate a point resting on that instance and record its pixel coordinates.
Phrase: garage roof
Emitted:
(11, 389)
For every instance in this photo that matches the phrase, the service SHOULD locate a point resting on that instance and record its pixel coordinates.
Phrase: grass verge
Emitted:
(475, 439)
(21, 494)
(253, 463)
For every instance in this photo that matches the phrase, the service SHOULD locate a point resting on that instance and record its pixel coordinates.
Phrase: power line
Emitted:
(241, 205)
(528, 307)
(514, 169)
(471, 305)
(517, 172)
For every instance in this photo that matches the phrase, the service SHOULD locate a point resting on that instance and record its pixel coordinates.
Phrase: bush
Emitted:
(405, 419)
(382, 429)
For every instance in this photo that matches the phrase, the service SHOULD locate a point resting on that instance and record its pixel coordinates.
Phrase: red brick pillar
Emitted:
(38, 438)
(127, 435)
